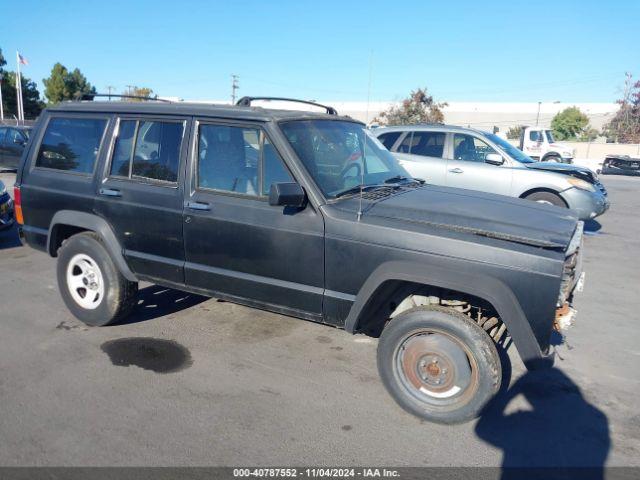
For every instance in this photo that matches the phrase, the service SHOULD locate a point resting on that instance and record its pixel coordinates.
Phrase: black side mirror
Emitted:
(287, 195)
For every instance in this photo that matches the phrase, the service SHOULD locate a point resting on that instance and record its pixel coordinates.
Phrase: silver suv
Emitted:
(477, 160)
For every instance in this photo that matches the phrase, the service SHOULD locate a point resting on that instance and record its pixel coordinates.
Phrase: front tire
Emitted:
(90, 284)
(547, 198)
(438, 365)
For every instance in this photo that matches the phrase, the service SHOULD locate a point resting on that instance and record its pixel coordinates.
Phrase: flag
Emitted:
(22, 60)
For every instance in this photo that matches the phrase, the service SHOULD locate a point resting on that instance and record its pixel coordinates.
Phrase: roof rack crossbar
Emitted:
(246, 102)
(91, 96)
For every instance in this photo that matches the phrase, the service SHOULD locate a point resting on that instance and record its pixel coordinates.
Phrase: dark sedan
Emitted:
(6, 208)
(12, 142)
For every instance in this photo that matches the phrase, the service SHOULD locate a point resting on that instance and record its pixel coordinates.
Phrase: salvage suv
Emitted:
(303, 214)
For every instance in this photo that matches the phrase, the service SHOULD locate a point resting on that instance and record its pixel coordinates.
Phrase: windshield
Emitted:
(550, 138)
(333, 151)
(509, 149)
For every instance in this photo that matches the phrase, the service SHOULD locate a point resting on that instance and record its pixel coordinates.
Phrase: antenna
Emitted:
(364, 136)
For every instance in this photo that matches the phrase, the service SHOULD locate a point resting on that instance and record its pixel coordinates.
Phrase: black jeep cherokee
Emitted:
(304, 214)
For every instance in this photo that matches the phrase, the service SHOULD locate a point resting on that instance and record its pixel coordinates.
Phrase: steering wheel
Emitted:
(348, 167)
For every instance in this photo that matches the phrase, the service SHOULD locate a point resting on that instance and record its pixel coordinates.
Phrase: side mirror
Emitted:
(287, 195)
(493, 159)
(19, 142)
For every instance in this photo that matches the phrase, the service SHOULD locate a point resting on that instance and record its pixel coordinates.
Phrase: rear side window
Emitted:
(388, 139)
(71, 144)
(147, 150)
(428, 144)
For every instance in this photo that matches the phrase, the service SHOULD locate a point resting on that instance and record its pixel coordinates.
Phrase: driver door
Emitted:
(235, 242)
(468, 169)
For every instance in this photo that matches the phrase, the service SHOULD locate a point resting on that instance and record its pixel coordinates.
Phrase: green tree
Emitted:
(625, 125)
(418, 108)
(138, 92)
(570, 124)
(514, 132)
(30, 94)
(64, 85)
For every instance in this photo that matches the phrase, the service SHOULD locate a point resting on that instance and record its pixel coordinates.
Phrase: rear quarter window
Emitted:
(388, 139)
(71, 144)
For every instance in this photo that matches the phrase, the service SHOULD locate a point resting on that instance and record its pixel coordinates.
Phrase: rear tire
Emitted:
(547, 198)
(438, 365)
(90, 284)
(553, 158)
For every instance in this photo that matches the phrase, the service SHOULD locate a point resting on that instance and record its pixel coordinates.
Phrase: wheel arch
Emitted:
(544, 189)
(69, 222)
(395, 278)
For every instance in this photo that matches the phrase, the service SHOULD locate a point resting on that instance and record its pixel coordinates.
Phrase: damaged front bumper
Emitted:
(573, 278)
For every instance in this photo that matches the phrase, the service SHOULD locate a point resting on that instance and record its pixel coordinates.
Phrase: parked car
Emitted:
(539, 144)
(477, 160)
(621, 165)
(12, 142)
(304, 214)
(6, 208)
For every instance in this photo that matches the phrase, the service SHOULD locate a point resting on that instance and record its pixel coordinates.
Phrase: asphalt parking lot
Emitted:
(223, 384)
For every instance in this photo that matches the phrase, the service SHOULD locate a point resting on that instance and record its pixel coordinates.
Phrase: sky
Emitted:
(501, 51)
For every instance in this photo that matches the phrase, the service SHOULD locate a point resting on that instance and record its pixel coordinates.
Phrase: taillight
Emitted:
(17, 205)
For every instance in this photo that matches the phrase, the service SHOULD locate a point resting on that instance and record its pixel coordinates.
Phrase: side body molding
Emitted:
(488, 288)
(98, 225)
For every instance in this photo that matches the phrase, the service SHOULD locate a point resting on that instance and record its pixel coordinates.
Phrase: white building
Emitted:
(482, 115)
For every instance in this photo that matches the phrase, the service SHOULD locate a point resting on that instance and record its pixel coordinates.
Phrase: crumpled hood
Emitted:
(479, 213)
(565, 168)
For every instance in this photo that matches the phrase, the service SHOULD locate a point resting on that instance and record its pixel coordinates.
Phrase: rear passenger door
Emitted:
(422, 154)
(235, 242)
(141, 194)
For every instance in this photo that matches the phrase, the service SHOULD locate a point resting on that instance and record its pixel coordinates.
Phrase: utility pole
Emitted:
(538, 115)
(109, 88)
(234, 87)
(130, 88)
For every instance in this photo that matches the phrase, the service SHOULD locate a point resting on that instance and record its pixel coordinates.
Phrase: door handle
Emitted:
(110, 192)
(198, 206)
(456, 170)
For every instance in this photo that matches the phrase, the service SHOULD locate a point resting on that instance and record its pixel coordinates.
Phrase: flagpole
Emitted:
(19, 89)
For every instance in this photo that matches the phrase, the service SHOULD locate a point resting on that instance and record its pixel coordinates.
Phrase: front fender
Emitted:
(98, 225)
(488, 288)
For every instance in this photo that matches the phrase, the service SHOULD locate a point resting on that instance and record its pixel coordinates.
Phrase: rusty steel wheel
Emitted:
(438, 364)
(436, 368)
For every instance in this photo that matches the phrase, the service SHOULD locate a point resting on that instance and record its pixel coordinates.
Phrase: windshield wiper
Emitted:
(396, 179)
(357, 189)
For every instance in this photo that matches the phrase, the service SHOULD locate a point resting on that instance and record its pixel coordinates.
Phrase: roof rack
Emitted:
(246, 102)
(91, 96)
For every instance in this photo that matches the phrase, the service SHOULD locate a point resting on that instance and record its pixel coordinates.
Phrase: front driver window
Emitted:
(470, 149)
(228, 158)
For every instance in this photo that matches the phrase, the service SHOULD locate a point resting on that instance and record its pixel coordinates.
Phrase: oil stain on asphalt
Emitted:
(157, 355)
